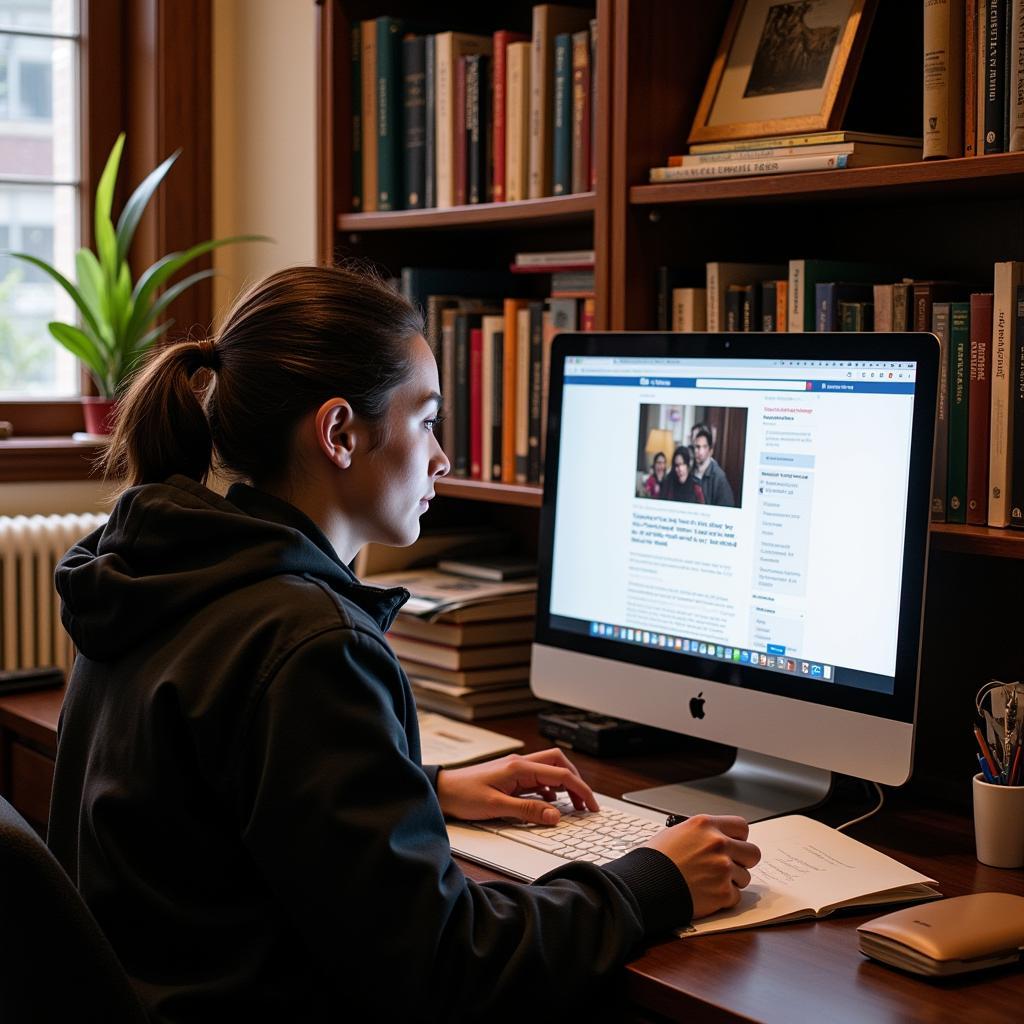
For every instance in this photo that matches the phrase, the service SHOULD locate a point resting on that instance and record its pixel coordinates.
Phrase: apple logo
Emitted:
(697, 705)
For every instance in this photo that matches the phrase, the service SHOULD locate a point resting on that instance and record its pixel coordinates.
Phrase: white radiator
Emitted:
(31, 634)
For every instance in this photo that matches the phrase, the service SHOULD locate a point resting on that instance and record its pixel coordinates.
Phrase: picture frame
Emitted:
(783, 67)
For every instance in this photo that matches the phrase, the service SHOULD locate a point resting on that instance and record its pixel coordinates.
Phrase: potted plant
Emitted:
(119, 317)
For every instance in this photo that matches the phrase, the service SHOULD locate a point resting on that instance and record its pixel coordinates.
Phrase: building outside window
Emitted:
(39, 185)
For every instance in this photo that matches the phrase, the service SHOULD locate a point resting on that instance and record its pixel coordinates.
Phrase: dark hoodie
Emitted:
(240, 799)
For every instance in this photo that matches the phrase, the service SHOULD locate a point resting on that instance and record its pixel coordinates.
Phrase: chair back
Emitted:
(55, 963)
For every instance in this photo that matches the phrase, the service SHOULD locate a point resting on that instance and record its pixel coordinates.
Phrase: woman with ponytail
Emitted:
(238, 791)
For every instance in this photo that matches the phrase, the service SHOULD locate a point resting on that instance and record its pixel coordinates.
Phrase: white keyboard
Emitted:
(528, 851)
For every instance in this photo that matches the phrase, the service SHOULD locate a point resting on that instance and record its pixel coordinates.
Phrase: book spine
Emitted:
(970, 115)
(827, 313)
(748, 307)
(995, 61)
(517, 118)
(548, 337)
(797, 299)
(414, 110)
(959, 397)
(522, 416)
(476, 397)
(733, 308)
(355, 84)
(368, 95)
(448, 380)
(498, 113)
(562, 138)
(849, 320)
(1016, 487)
(745, 168)
(981, 56)
(716, 301)
(462, 396)
(580, 111)
(536, 389)
(430, 123)
(940, 465)
(593, 104)
(923, 300)
(1000, 466)
(588, 315)
(510, 366)
(476, 184)
(538, 125)
(782, 304)
(444, 119)
(943, 78)
(678, 308)
(389, 120)
(901, 303)
(459, 150)
(979, 400)
(497, 385)
(1015, 98)
(664, 297)
(1007, 70)
(882, 295)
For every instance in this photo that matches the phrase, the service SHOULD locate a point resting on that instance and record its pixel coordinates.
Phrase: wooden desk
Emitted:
(785, 975)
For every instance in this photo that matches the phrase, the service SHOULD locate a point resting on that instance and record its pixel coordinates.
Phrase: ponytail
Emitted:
(161, 428)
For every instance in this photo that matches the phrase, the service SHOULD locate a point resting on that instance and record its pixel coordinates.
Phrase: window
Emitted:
(39, 186)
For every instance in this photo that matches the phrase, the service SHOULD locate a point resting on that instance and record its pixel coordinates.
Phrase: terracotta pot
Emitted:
(100, 414)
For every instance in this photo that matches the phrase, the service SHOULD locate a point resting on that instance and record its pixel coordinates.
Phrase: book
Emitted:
(501, 41)
(1016, 488)
(689, 309)
(901, 305)
(958, 399)
(449, 744)
(800, 140)
(856, 316)
(430, 122)
(478, 136)
(449, 49)
(804, 276)
(517, 122)
(417, 283)
(733, 306)
(457, 658)
(435, 593)
(474, 696)
(859, 154)
(939, 326)
(574, 258)
(549, 21)
(720, 275)
(1009, 275)
(881, 295)
(535, 391)
(355, 87)
(971, 77)
(581, 111)
(476, 398)
(768, 300)
(561, 136)
(368, 101)
(995, 71)
(522, 397)
(510, 387)
(472, 634)
(506, 676)
(472, 712)
(752, 167)
(433, 543)
(809, 870)
(390, 137)
(502, 567)
(490, 327)
(979, 402)
(828, 295)
(459, 158)
(414, 111)
(943, 78)
(593, 104)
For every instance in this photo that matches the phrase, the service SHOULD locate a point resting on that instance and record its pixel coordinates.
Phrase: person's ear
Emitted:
(335, 433)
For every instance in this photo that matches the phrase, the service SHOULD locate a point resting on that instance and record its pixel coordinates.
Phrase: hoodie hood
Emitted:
(170, 548)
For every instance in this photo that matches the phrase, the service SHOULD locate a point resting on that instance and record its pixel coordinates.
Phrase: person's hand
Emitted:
(495, 789)
(713, 856)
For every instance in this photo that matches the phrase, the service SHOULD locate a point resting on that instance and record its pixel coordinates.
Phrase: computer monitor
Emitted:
(765, 590)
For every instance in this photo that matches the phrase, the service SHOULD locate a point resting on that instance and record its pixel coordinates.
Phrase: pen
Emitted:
(675, 819)
(989, 777)
(986, 753)
(1015, 770)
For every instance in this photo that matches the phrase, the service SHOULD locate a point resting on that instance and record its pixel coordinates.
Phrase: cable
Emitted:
(874, 810)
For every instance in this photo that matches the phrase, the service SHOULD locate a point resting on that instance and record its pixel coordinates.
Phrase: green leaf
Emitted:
(144, 343)
(80, 345)
(106, 240)
(76, 296)
(136, 205)
(93, 290)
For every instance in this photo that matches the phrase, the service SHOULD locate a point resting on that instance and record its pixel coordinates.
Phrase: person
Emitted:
(709, 474)
(655, 481)
(239, 792)
(681, 485)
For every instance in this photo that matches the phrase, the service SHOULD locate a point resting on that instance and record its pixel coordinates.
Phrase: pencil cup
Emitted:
(999, 824)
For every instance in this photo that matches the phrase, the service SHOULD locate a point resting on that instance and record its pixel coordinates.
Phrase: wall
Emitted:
(264, 138)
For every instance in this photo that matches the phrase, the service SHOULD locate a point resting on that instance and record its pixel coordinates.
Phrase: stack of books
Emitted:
(465, 642)
(445, 119)
(784, 154)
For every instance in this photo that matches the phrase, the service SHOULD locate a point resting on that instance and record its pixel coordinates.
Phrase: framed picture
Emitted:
(784, 66)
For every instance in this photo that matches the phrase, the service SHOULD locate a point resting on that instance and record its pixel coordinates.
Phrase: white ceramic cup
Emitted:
(999, 824)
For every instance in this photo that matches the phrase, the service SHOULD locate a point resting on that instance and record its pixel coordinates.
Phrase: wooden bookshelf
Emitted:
(978, 540)
(520, 495)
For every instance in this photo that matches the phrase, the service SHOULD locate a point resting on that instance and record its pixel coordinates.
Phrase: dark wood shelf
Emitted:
(523, 213)
(978, 540)
(986, 177)
(522, 495)
(46, 458)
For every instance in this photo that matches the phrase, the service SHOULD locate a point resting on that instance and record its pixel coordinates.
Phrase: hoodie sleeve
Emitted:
(348, 832)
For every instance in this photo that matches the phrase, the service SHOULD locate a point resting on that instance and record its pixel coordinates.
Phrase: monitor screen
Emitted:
(748, 511)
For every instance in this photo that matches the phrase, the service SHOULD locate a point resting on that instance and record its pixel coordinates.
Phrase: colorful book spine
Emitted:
(580, 111)
(459, 151)
(958, 400)
(979, 401)
(995, 74)
(1008, 275)
(389, 114)
(562, 139)
(430, 122)
(368, 100)
(517, 113)
(355, 84)
(970, 112)
(476, 399)
(940, 313)
(522, 414)
(497, 386)
(750, 168)
(510, 367)
(464, 323)
(414, 111)
(943, 78)
(536, 389)
(502, 39)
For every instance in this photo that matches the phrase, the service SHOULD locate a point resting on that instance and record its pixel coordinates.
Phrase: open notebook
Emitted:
(808, 869)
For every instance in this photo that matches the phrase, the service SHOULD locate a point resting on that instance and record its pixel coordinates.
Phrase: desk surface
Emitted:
(808, 971)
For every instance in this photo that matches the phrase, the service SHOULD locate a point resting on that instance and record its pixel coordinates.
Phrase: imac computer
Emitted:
(733, 545)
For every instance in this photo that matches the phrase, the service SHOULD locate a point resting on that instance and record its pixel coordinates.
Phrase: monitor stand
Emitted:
(754, 787)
